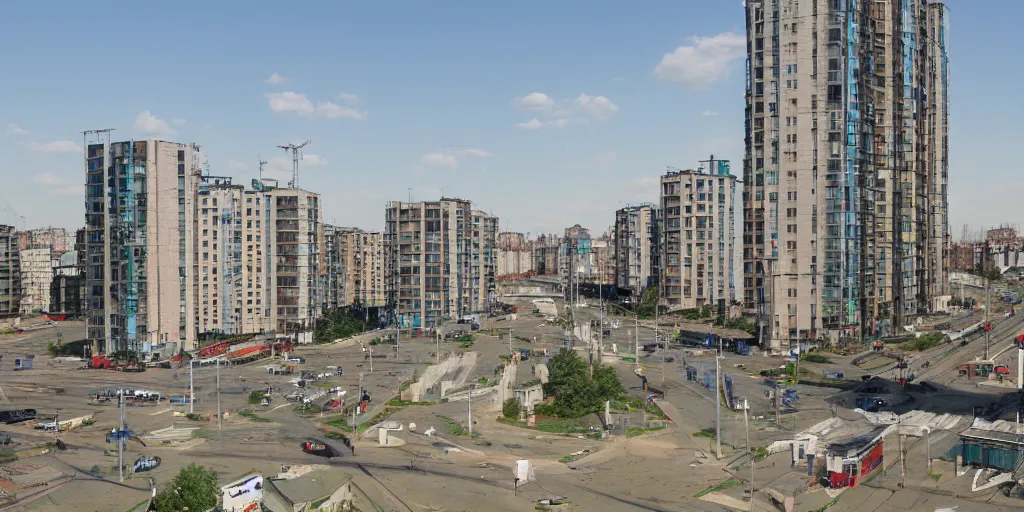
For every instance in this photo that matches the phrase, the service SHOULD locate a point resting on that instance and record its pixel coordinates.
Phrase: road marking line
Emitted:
(160, 412)
(280, 406)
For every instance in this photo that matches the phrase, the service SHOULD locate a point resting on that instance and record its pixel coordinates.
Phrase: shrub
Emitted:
(255, 398)
(194, 488)
(510, 409)
(545, 409)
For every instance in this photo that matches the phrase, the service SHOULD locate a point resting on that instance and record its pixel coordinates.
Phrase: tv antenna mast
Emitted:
(296, 156)
(262, 163)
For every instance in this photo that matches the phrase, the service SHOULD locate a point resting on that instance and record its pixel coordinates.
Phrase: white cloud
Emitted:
(57, 146)
(276, 79)
(14, 129)
(450, 158)
(552, 113)
(206, 127)
(704, 62)
(289, 102)
(294, 103)
(237, 165)
(709, 113)
(536, 101)
(177, 121)
(335, 111)
(472, 152)
(446, 160)
(149, 124)
(532, 124)
(313, 161)
(597, 106)
(58, 186)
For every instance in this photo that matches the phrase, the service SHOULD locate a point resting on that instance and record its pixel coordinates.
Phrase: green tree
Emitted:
(338, 323)
(992, 274)
(195, 487)
(576, 392)
(510, 409)
(607, 382)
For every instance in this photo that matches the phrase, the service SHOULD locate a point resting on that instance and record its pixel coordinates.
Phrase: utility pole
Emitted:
(470, 412)
(600, 305)
(191, 388)
(988, 330)
(718, 401)
(370, 348)
(218, 395)
(359, 399)
(438, 354)
(296, 156)
(746, 428)
(398, 336)
(636, 343)
(120, 440)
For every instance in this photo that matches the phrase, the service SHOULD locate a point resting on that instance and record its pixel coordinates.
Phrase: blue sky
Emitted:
(440, 97)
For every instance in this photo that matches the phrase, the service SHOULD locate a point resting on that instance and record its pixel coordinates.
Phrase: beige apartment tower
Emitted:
(232, 290)
(637, 247)
(845, 228)
(699, 236)
(362, 267)
(140, 242)
(440, 260)
(295, 253)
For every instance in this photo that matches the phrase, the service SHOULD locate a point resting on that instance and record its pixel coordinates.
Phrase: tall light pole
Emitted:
(470, 412)
(988, 330)
(218, 395)
(718, 400)
(191, 388)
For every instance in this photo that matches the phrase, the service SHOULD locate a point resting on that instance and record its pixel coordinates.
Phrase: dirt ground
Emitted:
(662, 470)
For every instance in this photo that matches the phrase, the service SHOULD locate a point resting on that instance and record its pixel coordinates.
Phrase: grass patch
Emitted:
(514, 423)
(816, 358)
(722, 486)
(483, 443)
(935, 476)
(339, 422)
(247, 413)
(638, 431)
(561, 425)
(454, 427)
(398, 402)
(200, 434)
(573, 458)
(705, 432)
(8, 456)
(827, 505)
(305, 409)
(925, 342)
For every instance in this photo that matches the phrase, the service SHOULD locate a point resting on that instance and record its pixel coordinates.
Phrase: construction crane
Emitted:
(296, 156)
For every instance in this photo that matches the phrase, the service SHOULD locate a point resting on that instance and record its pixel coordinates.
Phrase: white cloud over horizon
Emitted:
(705, 61)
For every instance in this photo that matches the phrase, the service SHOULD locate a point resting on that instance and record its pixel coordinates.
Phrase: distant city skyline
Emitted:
(578, 118)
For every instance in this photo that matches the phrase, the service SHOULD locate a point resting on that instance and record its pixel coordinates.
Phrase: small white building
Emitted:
(323, 490)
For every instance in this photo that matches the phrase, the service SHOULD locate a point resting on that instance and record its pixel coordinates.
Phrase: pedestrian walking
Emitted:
(353, 448)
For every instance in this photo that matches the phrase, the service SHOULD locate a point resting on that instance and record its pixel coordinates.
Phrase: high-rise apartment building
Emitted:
(548, 255)
(437, 257)
(846, 165)
(699, 231)
(36, 275)
(10, 272)
(294, 246)
(363, 267)
(515, 254)
(484, 263)
(139, 251)
(230, 234)
(637, 247)
(602, 250)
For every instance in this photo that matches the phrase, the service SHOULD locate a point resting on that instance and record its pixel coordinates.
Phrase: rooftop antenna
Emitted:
(296, 156)
(262, 163)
